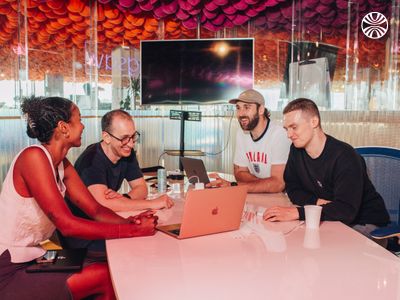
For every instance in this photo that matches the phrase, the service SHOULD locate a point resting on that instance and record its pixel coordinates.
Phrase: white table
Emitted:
(283, 261)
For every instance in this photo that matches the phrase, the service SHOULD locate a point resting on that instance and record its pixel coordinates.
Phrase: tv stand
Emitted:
(183, 116)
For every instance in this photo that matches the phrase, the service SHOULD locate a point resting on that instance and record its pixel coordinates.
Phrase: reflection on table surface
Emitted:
(262, 260)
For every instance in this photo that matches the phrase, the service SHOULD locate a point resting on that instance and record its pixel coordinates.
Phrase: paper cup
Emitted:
(313, 216)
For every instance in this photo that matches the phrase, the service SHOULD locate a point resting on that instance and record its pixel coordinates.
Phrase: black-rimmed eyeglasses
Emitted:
(124, 141)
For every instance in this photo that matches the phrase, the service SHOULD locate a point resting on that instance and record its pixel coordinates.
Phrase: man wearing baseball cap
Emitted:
(262, 146)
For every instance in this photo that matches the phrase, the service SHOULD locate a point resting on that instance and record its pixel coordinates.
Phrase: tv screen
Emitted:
(195, 71)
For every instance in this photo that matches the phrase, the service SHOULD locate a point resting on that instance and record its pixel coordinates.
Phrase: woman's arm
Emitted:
(33, 175)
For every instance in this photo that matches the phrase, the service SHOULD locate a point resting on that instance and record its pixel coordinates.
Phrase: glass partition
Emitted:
(88, 51)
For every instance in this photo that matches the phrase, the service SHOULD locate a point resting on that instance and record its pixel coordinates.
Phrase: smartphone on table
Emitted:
(49, 257)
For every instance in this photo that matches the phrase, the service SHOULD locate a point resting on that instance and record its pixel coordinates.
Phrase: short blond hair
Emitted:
(304, 105)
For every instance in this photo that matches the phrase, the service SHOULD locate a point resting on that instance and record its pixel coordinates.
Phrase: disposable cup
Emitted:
(313, 216)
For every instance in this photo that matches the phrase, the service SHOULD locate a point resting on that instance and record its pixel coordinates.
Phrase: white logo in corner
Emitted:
(374, 25)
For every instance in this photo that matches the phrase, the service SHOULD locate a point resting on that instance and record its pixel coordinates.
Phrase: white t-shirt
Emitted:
(272, 148)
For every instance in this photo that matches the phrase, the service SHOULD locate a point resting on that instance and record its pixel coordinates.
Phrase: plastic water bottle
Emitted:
(162, 180)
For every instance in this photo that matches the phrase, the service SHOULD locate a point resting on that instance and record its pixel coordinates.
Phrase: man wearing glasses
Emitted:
(104, 165)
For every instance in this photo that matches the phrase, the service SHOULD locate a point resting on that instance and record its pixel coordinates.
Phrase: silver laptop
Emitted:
(209, 211)
(195, 170)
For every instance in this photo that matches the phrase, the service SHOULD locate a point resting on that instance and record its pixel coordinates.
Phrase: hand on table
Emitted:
(321, 201)
(145, 223)
(280, 213)
(218, 182)
(163, 201)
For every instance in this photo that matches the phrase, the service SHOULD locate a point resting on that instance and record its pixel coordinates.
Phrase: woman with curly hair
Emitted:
(32, 206)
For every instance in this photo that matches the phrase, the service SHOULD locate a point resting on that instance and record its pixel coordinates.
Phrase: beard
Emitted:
(253, 122)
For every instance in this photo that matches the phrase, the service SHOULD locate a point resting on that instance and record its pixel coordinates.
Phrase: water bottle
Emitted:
(162, 180)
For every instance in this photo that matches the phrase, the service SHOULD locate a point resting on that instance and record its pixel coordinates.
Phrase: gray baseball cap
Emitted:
(249, 96)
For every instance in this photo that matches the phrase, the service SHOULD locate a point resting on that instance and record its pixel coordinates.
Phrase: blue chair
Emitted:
(383, 167)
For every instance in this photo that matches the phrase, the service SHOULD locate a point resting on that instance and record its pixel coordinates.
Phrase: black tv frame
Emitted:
(202, 99)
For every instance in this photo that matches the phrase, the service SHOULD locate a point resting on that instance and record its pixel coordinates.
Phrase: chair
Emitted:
(383, 167)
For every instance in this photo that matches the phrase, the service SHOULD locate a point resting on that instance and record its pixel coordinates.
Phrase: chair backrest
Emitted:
(383, 166)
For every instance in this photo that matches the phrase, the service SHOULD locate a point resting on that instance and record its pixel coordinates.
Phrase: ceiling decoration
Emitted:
(66, 23)
(58, 25)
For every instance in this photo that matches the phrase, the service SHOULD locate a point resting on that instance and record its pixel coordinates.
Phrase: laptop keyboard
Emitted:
(175, 231)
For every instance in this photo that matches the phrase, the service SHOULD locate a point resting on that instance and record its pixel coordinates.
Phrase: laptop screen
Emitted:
(195, 170)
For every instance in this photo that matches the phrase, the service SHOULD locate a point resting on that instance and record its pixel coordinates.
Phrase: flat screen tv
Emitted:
(195, 71)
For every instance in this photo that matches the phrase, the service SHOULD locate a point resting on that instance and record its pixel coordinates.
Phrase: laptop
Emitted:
(65, 260)
(209, 211)
(194, 169)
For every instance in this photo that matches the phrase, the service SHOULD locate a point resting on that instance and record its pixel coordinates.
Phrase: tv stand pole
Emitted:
(182, 139)
(183, 116)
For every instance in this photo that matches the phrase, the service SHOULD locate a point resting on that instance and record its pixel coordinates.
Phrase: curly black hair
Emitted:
(43, 115)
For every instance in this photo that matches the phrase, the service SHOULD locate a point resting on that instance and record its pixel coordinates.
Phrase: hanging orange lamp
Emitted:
(55, 4)
(118, 29)
(118, 39)
(75, 6)
(108, 24)
(137, 21)
(85, 12)
(100, 13)
(60, 11)
(109, 33)
(110, 13)
(117, 20)
(5, 10)
(70, 30)
(39, 16)
(44, 8)
(64, 21)
(146, 34)
(78, 27)
(75, 17)
(151, 25)
(127, 24)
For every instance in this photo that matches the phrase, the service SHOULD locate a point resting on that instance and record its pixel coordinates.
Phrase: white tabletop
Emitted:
(263, 261)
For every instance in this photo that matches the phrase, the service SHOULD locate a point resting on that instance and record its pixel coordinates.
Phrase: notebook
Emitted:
(209, 211)
(66, 260)
(195, 170)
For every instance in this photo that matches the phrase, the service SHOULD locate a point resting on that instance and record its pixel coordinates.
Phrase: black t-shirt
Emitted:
(339, 175)
(94, 167)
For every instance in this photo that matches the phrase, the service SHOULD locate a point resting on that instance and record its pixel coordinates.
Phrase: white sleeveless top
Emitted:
(23, 223)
